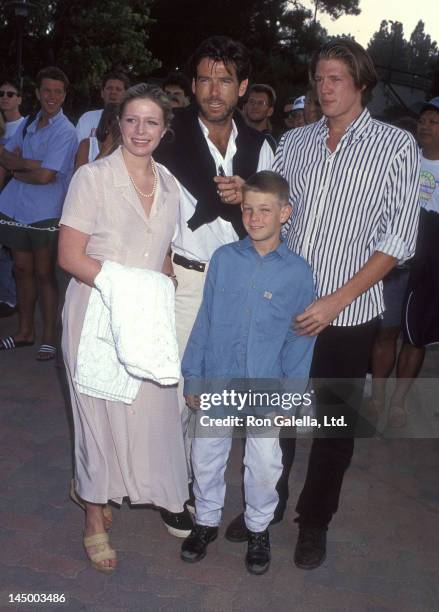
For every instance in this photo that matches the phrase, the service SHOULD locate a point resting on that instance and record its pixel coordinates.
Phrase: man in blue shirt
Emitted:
(244, 330)
(40, 158)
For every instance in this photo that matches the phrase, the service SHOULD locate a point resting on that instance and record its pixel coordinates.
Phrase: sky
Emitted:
(363, 26)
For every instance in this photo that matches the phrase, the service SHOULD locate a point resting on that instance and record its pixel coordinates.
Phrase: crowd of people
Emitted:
(195, 234)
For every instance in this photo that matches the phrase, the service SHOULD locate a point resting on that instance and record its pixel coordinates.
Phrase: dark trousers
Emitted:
(339, 353)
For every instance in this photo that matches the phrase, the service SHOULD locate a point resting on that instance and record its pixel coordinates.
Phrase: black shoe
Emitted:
(310, 548)
(237, 530)
(179, 524)
(258, 554)
(194, 547)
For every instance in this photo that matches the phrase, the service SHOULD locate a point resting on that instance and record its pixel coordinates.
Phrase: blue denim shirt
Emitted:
(244, 328)
(55, 146)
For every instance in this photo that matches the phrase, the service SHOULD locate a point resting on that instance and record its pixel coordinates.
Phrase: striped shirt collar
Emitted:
(355, 130)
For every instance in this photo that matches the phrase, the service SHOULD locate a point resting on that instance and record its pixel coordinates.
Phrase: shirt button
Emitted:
(145, 254)
(253, 286)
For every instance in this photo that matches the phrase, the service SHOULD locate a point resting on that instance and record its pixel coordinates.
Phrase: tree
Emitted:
(279, 34)
(336, 8)
(422, 50)
(388, 47)
(85, 39)
(92, 38)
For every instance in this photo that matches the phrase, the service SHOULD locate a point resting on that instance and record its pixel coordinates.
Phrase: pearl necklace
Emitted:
(154, 186)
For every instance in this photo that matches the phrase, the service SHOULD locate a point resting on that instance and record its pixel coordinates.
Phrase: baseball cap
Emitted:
(432, 104)
(299, 103)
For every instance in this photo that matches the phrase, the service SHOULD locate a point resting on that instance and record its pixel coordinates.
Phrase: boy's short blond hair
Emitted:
(267, 181)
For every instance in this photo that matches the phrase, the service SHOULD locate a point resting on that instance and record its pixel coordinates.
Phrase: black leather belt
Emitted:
(190, 264)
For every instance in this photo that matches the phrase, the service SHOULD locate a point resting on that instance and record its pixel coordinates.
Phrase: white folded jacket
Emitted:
(128, 334)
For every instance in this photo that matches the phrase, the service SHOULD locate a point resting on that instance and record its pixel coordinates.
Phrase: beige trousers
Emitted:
(188, 297)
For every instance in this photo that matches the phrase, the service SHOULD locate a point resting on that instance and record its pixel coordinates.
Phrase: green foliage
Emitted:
(280, 35)
(388, 46)
(389, 49)
(336, 8)
(85, 39)
(88, 37)
(423, 51)
(94, 37)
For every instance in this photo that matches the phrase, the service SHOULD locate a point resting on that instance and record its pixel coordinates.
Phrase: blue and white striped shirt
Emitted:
(361, 198)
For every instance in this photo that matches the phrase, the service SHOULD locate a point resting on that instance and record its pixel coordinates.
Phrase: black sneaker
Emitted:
(310, 548)
(237, 529)
(258, 554)
(194, 547)
(179, 524)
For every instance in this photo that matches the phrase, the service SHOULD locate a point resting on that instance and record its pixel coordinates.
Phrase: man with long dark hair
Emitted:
(213, 151)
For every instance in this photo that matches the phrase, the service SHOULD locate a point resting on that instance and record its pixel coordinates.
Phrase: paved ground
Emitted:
(382, 547)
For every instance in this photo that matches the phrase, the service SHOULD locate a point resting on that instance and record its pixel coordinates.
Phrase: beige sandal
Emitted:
(104, 552)
(372, 411)
(397, 416)
(106, 510)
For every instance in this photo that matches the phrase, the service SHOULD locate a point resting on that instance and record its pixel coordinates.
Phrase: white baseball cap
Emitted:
(299, 104)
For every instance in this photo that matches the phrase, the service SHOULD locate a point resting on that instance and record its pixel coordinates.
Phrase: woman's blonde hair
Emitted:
(145, 91)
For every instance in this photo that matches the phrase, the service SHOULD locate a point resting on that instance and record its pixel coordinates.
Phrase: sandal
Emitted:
(9, 343)
(104, 552)
(397, 416)
(372, 411)
(46, 352)
(106, 510)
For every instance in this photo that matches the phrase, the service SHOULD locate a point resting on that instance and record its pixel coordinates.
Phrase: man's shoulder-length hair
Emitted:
(357, 60)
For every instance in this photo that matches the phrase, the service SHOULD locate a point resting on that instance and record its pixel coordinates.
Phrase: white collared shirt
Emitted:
(203, 242)
(87, 124)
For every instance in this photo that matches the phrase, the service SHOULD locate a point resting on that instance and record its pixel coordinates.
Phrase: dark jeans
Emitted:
(339, 353)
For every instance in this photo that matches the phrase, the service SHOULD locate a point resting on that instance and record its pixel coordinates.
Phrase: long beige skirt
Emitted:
(122, 450)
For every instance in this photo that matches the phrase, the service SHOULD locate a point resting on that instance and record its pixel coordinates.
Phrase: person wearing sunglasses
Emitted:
(10, 100)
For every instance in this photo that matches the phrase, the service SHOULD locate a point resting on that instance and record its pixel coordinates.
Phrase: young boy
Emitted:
(244, 330)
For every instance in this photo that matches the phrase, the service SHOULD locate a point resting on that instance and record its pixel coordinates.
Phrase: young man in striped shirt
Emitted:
(354, 188)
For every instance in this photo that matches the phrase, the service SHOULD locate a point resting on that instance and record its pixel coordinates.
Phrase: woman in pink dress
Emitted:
(122, 208)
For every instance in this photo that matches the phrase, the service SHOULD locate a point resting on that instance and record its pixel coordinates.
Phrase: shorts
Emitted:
(394, 291)
(421, 308)
(28, 237)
